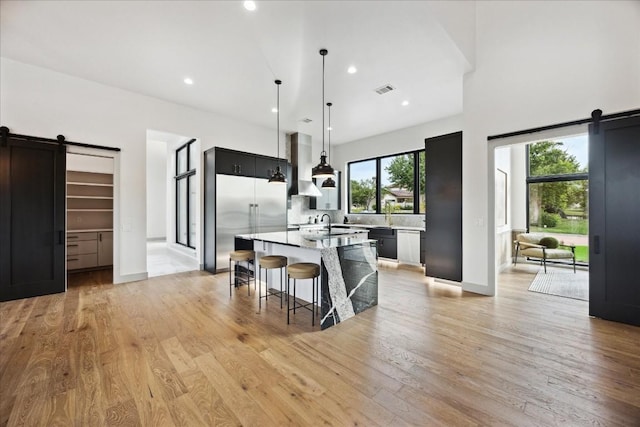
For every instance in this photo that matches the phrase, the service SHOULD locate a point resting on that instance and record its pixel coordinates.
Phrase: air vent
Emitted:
(384, 89)
(306, 120)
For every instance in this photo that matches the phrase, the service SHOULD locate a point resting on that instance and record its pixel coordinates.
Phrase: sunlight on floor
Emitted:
(162, 260)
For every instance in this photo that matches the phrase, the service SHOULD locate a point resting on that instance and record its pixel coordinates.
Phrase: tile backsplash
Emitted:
(300, 213)
(375, 219)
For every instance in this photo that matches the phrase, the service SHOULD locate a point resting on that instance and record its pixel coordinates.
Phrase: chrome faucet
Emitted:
(322, 219)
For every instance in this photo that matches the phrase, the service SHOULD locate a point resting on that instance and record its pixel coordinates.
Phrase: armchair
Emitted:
(539, 246)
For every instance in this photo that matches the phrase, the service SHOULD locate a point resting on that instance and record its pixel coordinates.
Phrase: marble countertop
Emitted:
(306, 240)
(369, 226)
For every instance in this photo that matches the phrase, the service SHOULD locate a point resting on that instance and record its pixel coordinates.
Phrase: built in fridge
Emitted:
(246, 205)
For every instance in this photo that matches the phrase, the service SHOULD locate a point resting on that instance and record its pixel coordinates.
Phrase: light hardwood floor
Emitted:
(176, 350)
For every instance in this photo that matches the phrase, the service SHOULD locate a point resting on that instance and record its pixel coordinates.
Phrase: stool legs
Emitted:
(266, 282)
(314, 299)
(234, 281)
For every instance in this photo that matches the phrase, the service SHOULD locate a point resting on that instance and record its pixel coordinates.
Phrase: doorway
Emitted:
(541, 191)
(173, 203)
(90, 210)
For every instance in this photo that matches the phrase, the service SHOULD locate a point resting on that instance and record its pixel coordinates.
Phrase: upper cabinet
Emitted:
(229, 162)
(266, 166)
(330, 199)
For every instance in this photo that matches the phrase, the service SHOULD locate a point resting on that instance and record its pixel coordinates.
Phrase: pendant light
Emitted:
(323, 169)
(278, 177)
(329, 182)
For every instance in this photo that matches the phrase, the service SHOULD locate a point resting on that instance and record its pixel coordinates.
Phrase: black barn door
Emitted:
(614, 220)
(443, 194)
(32, 218)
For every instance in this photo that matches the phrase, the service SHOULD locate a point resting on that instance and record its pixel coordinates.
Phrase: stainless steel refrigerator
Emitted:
(246, 205)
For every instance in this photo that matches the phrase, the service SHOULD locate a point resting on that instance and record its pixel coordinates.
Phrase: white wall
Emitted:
(503, 230)
(537, 63)
(157, 206)
(83, 163)
(36, 101)
(407, 139)
(518, 193)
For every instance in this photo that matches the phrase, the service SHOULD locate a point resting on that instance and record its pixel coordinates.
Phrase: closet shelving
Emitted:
(89, 220)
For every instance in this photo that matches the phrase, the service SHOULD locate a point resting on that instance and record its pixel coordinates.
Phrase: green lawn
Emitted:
(582, 253)
(565, 226)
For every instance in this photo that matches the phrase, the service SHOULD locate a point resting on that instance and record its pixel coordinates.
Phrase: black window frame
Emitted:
(378, 160)
(542, 179)
(191, 170)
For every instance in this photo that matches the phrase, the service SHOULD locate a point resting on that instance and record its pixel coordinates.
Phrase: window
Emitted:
(397, 183)
(186, 160)
(557, 187)
(363, 177)
(390, 184)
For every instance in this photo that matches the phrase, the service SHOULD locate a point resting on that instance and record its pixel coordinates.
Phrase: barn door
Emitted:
(614, 226)
(32, 218)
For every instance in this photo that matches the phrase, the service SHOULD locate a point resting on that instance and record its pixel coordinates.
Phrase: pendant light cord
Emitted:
(323, 152)
(329, 131)
(278, 122)
(278, 82)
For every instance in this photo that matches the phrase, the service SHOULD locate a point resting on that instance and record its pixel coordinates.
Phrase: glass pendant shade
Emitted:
(278, 177)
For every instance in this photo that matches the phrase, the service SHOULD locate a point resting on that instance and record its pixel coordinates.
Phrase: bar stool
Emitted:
(303, 270)
(267, 263)
(239, 256)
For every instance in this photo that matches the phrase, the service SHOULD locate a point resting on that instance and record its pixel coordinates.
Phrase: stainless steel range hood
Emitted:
(299, 149)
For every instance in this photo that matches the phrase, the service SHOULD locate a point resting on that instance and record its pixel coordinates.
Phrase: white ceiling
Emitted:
(233, 56)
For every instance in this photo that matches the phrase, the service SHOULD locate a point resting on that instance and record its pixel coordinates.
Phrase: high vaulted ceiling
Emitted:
(234, 55)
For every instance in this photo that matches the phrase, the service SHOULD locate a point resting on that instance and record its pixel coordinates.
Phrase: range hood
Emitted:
(299, 149)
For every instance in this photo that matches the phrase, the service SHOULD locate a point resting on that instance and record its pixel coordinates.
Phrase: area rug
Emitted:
(563, 283)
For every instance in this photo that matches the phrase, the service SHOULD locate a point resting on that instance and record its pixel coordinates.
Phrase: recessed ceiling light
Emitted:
(188, 81)
(250, 5)
(405, 103)
(274, 110)
(352, 70)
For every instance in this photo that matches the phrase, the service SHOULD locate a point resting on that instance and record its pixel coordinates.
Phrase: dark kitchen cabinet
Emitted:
(266, 166)
(387, 241)
(443, 194)
(230, 162)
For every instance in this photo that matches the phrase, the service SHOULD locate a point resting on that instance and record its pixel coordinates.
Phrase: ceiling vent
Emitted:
(306, 120)
(384, 89)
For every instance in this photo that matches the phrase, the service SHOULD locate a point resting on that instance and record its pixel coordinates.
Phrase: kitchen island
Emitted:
(349, 272)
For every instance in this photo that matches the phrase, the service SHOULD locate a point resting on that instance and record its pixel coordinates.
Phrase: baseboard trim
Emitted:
(477, 289)
(447, 282)
(130, 277)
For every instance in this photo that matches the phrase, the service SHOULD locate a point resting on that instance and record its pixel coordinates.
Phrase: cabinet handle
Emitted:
(239, 168)
(72, 237)
(73, 259)
(72, 246)
(100, 237)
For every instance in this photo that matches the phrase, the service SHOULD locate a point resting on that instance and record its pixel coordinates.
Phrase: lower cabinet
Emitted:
(387, 242)
(409, 246)
(105, 248)
(89, 249)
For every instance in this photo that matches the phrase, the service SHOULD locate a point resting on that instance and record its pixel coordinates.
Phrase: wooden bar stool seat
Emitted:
(241, 278)
(303, 270)
(269, 262)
